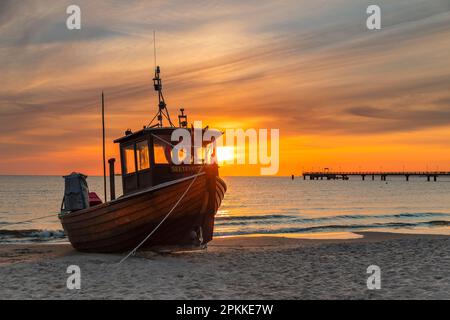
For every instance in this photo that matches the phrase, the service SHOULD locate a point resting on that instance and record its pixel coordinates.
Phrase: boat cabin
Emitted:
(146, 158)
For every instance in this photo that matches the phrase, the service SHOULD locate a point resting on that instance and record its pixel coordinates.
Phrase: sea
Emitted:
(257, 206)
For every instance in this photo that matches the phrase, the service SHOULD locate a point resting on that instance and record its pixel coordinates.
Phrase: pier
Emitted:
(329, 175)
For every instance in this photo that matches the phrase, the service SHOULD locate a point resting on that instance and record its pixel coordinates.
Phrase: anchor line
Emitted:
(133, 252)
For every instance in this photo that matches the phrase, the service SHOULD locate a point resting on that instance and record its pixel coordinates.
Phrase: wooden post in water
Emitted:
(112, 182)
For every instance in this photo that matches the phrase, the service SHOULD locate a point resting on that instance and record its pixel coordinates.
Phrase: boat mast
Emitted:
(103, 145)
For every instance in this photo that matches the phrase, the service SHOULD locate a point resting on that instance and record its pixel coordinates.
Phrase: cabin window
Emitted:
(182, 155)
(210, 157)
(199, 153)
(128, 157)
(143, 160)
(162, 151)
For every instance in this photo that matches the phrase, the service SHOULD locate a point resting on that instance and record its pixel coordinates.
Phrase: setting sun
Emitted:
(225, 154)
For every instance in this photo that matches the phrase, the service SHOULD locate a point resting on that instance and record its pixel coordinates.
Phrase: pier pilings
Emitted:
(383, 175)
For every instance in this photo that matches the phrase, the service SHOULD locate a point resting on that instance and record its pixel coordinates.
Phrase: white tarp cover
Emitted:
(76, 192)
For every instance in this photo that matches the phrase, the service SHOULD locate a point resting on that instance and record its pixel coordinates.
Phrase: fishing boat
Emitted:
(164, 203)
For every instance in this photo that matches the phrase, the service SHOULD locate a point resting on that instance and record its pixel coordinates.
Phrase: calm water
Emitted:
(257, 205)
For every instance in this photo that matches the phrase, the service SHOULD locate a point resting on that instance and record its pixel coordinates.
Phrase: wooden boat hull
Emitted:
(122, 224)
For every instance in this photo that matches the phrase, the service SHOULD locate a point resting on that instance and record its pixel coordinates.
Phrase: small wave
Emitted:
(440, 223)
(333, 227)
(238, 220)
(33, 235)
(387, 216)
(422, 214)
(256, 217)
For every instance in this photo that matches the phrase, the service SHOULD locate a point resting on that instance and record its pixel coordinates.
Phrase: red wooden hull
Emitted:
(122, 224)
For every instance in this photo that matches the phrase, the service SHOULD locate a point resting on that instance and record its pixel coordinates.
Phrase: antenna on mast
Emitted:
(154, 46)
(157, 83)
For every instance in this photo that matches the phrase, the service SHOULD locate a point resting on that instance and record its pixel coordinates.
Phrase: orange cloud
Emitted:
(341, 96)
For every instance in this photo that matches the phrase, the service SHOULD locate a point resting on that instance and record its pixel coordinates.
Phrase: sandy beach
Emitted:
(412, 267)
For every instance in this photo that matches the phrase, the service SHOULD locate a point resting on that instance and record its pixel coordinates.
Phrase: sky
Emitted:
(344, 97)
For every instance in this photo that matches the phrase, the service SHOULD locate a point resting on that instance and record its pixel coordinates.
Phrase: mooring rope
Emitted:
(133, 252)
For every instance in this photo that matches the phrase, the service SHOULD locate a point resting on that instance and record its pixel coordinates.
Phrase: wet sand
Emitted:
(412, 267)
